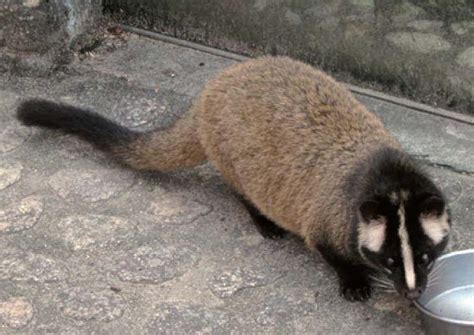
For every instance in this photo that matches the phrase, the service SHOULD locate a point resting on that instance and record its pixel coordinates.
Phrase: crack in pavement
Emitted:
(425, 159)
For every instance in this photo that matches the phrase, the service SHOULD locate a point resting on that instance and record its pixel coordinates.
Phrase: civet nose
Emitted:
(413, 294)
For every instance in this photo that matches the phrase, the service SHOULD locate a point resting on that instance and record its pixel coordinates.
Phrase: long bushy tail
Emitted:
(164, 150)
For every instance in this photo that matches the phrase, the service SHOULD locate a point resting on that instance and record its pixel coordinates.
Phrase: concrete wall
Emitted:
(36, 35)
(422, 49)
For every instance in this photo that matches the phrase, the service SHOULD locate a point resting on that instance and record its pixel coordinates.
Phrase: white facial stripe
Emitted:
(372, 235)
(407, 252)
(404, 195)
(436, 228)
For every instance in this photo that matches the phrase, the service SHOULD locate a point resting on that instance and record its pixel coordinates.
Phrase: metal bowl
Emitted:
(447, 304)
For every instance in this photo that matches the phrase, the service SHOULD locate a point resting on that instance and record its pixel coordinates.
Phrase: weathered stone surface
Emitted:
(462, 28)
(12, 136)
(20, 216)
(466, 58)
(31, 3)
(177, 209)
(425, 25)
(7, 103)
(71, 147)
(90, 185)
(140, 111)
(405, 11)
(38, 34)
(261, 4)
(56, 328)
(182, 318)
(175, 78)
(418, 42)
(356, 30)
(329, 23)
(453, 187)
(314, 31)
(156, 264)
(16, 312)
(146, 107)
(279, 311)
(363, 3)
(449, 144)
(132, 110)
(94, 231)
(452, 190)
(388, 305)
(228, 283)
(87, 304)
(293, 18)
(462, 81)
(323, 9)
(35, 27)
(10, 173)
(27, 267)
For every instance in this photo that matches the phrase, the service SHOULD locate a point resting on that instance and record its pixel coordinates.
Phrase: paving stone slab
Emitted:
(20, 216)
(84, 304)
(16, 312)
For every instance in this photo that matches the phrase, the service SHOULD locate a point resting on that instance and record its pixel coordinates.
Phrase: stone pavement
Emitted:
(89, 247)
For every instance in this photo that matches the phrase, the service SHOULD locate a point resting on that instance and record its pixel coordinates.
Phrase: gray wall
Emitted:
(36, 36)
(421, 49)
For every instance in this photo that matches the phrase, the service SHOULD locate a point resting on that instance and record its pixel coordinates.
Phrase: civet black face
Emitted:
(401, 234)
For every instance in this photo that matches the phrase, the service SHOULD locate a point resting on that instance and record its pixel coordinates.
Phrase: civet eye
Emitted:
(425, 258)
(390, 261)
(427, 261)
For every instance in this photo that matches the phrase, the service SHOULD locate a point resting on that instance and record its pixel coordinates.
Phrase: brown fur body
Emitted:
(305, 155)
(285, 136)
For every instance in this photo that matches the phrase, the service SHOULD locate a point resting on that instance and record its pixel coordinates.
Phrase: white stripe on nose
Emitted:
(407, 252)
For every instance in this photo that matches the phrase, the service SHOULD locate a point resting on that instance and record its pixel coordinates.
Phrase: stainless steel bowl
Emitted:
(447, 305)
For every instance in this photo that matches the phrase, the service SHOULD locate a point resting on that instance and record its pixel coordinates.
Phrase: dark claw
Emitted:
(356, 291)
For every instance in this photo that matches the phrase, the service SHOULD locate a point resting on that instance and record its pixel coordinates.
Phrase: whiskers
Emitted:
(435, 275)
(382, 283)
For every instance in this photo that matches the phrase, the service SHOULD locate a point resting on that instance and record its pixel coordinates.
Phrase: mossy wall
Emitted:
(423, 49)
(36, 36)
